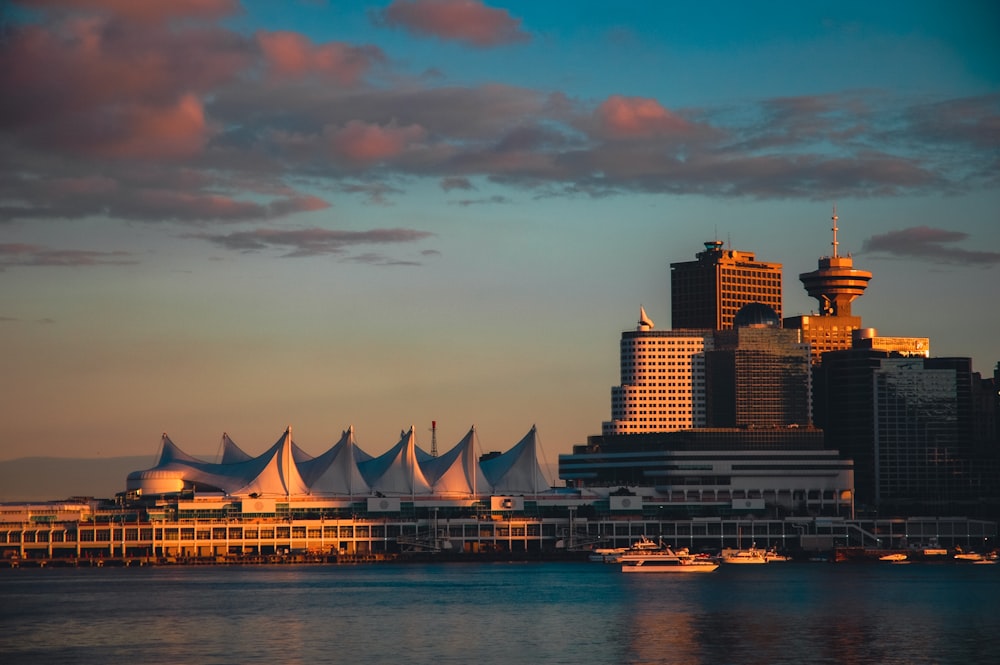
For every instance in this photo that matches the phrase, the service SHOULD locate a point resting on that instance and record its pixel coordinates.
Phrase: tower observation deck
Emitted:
(836, 282)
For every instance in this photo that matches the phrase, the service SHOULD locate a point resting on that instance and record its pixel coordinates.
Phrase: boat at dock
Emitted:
(614, 554)
(743, 556)
(665, 560)
(895, 557)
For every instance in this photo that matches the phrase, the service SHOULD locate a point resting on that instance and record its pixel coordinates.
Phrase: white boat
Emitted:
(614, 554)
(772, 556)
(665, 560)
(750, 556)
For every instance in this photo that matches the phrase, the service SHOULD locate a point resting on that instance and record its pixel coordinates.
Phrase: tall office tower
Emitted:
(835, 284)
(908, 423)
(757, 374)
(662, 380)
(707, 293)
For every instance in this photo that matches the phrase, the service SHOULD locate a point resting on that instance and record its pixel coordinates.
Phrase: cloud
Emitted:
(639, 117)
(471, 202)
(456, 182)
(924, 242)
(377, 193)
(467, 21)
(310, 242)
(184, 119)
(363, 142)
(150, 12)
(289, 54)
(25, 255)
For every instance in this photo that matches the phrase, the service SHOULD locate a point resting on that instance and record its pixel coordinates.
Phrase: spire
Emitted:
(835, 243)
(645, 323)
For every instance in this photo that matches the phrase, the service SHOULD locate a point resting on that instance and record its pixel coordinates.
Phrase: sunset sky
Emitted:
(221, 216)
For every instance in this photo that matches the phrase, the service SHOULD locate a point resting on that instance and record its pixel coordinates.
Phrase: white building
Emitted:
(662, 380)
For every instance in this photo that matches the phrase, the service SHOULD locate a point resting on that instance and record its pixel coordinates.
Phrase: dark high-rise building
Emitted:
(707, 293)
(757, 374)
(909, 425)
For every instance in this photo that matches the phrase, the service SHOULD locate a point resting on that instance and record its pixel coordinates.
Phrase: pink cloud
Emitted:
(76, 73)
(292, 54)
(468, 21)
(638, 117)
(363, 142)
(134, 10)
(175, 131)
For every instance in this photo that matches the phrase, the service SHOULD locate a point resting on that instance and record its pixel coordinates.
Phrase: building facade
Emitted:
(719, 471)
(662, 380)
(758, 374)
(708, 292)
(909, 423)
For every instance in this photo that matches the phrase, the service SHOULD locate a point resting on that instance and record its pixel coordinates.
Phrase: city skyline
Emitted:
(234, 217)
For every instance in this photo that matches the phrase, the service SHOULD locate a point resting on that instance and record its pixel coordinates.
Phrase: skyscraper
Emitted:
(662, 380)
(707, 293)
(757, 374)
(909, 424)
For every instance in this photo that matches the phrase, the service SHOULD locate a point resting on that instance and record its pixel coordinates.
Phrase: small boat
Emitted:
(974, 557)
(772, 556)
(895, 557)
(606, 554)
(614, 554)
(750, 556)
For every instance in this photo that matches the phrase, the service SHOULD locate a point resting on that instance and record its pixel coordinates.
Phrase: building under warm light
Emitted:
(662, 380)
(835, 284)
(708, 292)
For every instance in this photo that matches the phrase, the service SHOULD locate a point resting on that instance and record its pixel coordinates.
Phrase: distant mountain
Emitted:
(55, 478)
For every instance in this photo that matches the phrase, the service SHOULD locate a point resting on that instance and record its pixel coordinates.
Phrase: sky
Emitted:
(221, 216)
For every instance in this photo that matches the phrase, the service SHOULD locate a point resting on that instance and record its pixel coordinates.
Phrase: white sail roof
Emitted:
(232, 453)
(336, 471)
(345, 469)
(457, 471)
(279, 475)
(397, 472)
(517, 471)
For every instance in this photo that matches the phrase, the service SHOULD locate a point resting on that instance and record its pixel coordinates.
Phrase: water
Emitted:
(501, 613)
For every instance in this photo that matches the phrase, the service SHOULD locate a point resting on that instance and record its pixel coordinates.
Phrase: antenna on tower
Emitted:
(434, 438)
(835, 243)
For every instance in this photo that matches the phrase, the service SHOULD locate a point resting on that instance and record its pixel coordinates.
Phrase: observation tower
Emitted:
(836, 282)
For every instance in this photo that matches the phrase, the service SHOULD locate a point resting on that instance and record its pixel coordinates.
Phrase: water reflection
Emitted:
(548, 613)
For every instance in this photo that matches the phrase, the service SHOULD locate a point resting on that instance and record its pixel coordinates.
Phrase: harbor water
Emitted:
(443, 613)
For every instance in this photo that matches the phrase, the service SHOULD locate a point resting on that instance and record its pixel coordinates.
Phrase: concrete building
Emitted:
(662, 380)
(708, 292)
(719, 471)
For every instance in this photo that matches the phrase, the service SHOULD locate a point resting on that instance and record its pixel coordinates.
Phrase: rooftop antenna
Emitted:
(434, 438)
(835, 243)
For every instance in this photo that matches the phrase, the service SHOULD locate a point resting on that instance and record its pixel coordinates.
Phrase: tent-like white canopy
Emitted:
(285, 470)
